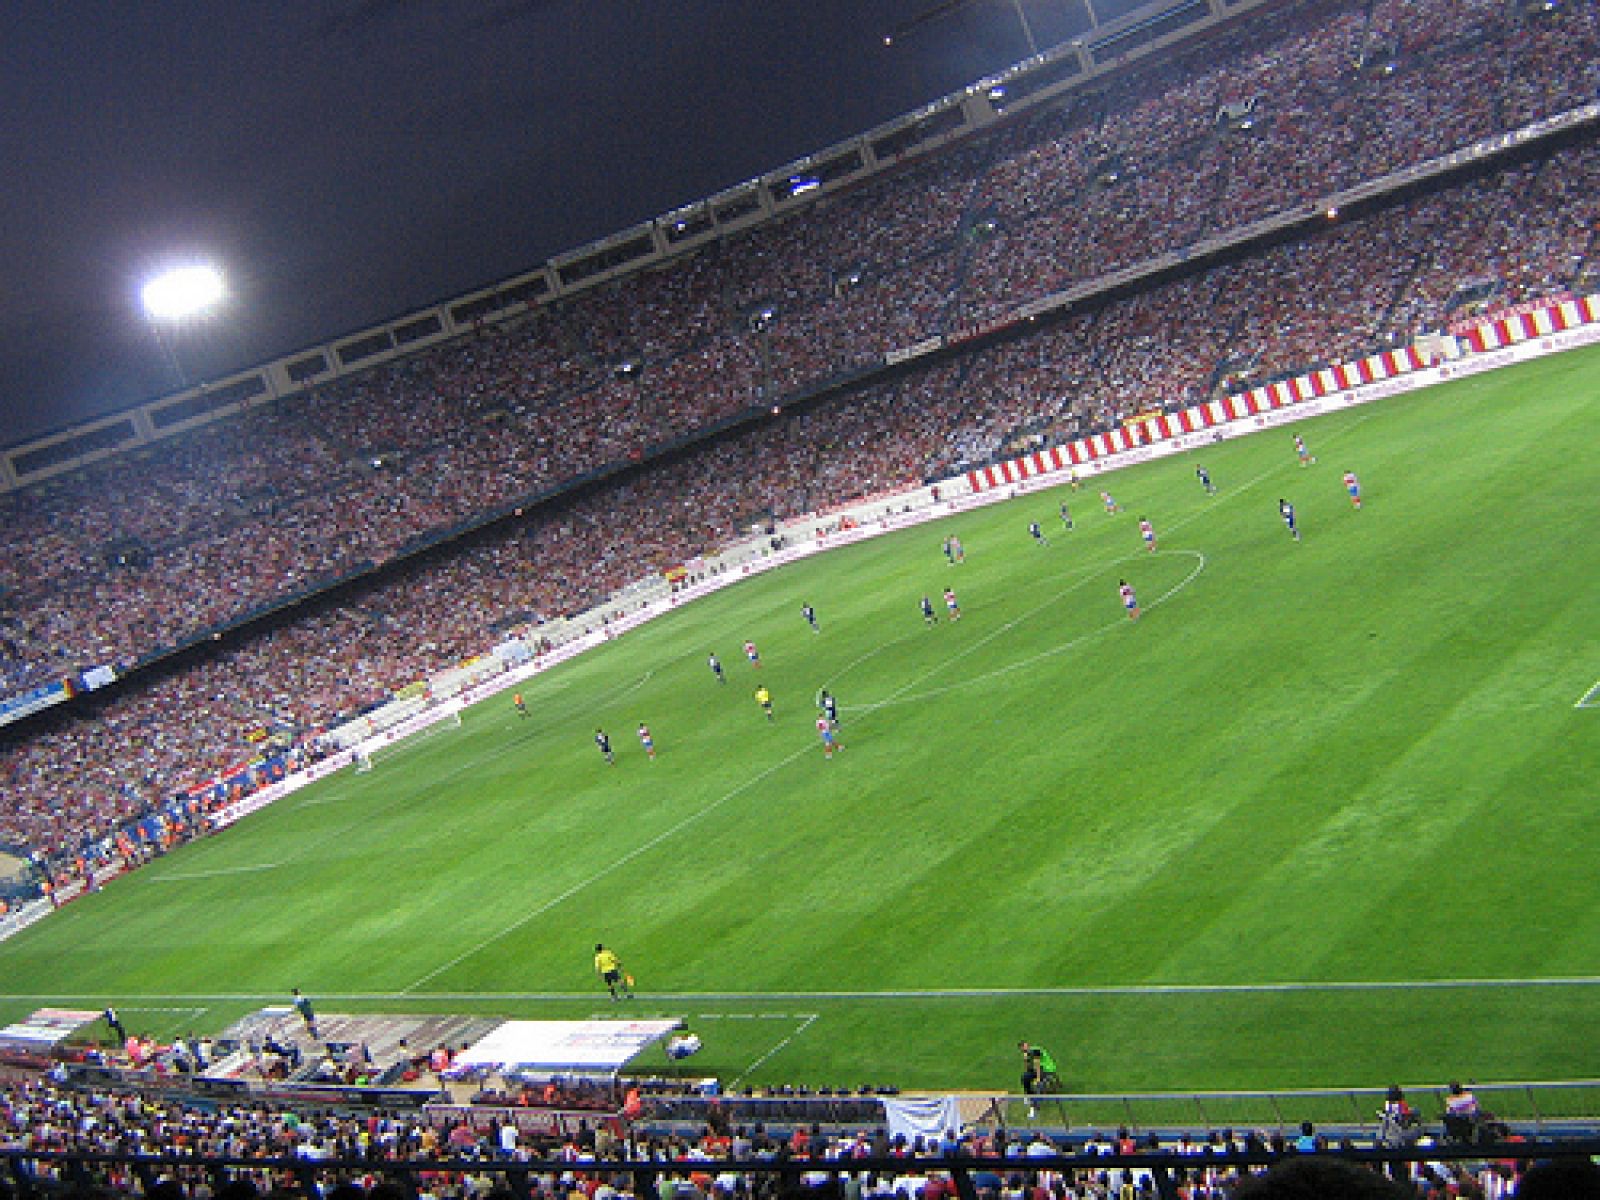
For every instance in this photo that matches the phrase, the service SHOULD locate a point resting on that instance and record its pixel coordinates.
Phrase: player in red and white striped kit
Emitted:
(829, 742)
(1353, 486)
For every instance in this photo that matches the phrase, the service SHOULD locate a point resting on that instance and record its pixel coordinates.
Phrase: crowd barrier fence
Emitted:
(36, 1175)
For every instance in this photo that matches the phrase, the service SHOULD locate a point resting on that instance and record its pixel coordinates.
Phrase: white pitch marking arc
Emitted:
(900, 697)
(971, 993)
(1085, 574)
(859, 659)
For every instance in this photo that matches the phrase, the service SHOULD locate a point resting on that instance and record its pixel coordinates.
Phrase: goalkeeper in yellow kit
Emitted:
(609, 967)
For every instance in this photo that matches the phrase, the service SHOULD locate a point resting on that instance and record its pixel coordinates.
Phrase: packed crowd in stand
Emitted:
(45, 1116)
(123, 559)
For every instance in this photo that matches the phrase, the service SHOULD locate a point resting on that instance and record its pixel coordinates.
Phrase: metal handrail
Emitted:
(35, 1172)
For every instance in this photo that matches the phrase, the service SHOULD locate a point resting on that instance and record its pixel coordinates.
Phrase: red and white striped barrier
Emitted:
(1523, 326)
(1562, 325)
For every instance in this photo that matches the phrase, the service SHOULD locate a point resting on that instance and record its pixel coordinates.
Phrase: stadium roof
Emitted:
(344, 161)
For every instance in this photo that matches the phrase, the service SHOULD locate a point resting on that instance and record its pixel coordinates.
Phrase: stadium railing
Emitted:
(1535, 1108)
(1538, 1107)
(37, 1174)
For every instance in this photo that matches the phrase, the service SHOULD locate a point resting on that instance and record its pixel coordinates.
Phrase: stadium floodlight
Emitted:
(183, 292)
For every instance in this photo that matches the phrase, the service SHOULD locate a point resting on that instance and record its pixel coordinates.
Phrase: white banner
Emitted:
(927, 1117)
(563, 1045)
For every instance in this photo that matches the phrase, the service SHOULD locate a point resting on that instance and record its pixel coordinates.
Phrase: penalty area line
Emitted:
(605, 872)
(811, 1019)
(1591, 698)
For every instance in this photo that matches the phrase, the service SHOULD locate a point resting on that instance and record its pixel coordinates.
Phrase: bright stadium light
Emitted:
(181, 293)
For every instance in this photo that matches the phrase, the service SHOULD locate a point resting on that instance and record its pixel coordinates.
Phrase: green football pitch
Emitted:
(1323, 816)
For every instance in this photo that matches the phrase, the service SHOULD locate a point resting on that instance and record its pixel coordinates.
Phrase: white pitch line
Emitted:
(832, 681)
(972, 993)
(810, 1020)
(1584, 700)
(403, 796)
(194, 1009)
(608, 870)
(217, 872)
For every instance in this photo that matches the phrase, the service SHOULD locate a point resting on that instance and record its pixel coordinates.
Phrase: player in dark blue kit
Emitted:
(829, 706)
(1286, 511)
(1037, 533)
(302, 1005)
(1066, 516)
(1204, 476)
(810, 614)
(715, 664)
(929, 617)
(604, 742)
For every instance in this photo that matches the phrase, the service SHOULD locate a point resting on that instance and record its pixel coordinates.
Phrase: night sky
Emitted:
(345, 161)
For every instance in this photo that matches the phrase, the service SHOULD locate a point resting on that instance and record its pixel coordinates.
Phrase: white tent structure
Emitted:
(528, 1049)
(35, 1038)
